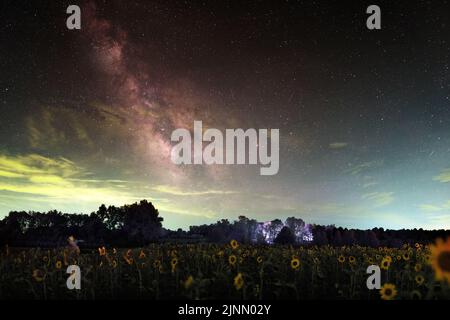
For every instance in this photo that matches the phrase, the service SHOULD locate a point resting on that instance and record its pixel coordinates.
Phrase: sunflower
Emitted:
(389, 258)
(440, 259)
(352, 259)
(388, 291)
(295, 263)
(385, 264)
(232, 260)
(416, 295)
(417, 267)
(58, 264)
(173, 264)
(102, 251)
(188, 282)
(406, 256)
(128, 260)
(399, 258)
(239, 281)
(259, 259)
(370, 260)
(38, 275)
(114, 264)
(142, 255)
(341, 259)
(419, 279)
(234, 244)
(156, 264)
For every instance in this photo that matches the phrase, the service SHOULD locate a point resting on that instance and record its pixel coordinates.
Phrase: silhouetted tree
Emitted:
(286, 236)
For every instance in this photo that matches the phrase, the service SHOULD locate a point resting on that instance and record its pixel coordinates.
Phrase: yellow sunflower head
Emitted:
(440, 259)
(352, 259)
(295, 263)
(419, 279)
(385, 264)
(259, 259)
(417, 267)
(188, 283)
(173, 264)
(58, 264)
(388, 291)
(239, 281)
(234, 244)
(232, 260)
(341, 259)
(38, 275)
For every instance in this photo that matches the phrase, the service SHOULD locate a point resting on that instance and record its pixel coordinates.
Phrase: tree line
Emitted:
(140, 223)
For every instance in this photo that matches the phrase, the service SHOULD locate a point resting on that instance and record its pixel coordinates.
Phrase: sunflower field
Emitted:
(231, 271)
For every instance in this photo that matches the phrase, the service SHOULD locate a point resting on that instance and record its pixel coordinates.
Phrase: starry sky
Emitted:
(364, 115)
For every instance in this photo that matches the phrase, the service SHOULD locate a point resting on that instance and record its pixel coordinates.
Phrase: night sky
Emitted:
(364, 115)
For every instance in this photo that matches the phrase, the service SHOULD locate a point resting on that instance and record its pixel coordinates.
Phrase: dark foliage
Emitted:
(129, 225)
(286, 236)
(139, 224)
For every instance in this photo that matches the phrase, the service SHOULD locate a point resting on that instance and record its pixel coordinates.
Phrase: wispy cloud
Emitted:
(34, 164)
(338, 145)
(369, 184)
(430, 208)
(55, 180)
(379, 199)
(435, 208)
(443, 177)
(179, 192)
(362, 167)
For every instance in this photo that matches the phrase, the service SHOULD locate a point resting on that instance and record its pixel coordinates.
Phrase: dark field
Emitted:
(232, 271)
